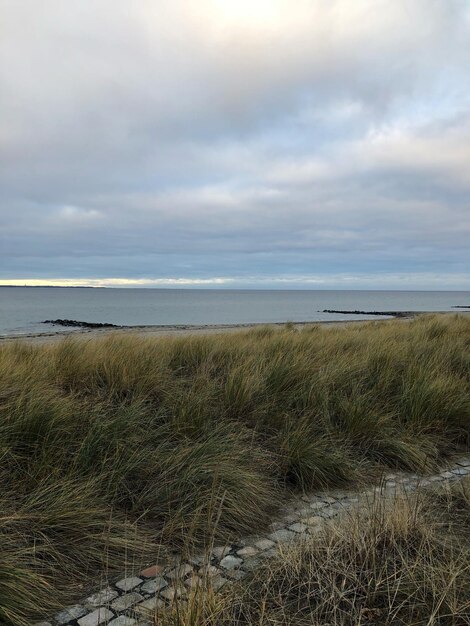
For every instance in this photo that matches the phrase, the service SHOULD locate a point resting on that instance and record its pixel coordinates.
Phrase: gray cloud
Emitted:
(251, 141)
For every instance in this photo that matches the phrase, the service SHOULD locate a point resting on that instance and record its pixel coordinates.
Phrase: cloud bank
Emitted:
(235, 143)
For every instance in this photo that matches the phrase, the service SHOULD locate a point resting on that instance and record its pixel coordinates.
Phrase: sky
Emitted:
(235, 143)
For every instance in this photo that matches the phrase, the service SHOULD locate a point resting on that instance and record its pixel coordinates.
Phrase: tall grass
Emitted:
(404, 562)
(181, 439)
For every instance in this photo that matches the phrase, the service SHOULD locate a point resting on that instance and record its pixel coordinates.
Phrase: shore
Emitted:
(168, 331)
(201, 329)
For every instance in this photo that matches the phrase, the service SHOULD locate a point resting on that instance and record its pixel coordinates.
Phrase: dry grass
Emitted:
(405, 562)
(180, 439)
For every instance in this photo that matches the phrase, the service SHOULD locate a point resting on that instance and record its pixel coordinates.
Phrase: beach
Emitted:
(170, 331)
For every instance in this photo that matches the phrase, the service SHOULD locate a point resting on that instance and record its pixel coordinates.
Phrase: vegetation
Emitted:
(399, 563)
(111, 447)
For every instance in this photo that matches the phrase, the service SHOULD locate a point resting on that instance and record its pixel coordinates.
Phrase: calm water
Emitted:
(22, 309)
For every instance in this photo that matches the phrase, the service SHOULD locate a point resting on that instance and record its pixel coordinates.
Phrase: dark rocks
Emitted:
(391, 313)
(77, 324)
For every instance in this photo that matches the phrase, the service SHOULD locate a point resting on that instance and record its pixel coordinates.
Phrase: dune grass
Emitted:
(110, 447)
(402, 562)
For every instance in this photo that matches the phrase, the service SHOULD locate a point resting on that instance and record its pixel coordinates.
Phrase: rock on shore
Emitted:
(78, 324)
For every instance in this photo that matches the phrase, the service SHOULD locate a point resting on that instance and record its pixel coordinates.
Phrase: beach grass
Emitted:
(113, 447)
(403, 561)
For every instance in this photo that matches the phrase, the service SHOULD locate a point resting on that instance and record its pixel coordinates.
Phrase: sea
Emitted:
(23, 309)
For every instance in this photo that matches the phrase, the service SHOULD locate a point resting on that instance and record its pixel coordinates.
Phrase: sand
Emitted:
(159, 331)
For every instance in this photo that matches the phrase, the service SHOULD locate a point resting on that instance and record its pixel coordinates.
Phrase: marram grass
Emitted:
(403, 562)
(123, 443)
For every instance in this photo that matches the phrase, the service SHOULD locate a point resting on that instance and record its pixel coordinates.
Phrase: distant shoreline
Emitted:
(168, 330)
(172, 330)
(50, 287)
(231, 288)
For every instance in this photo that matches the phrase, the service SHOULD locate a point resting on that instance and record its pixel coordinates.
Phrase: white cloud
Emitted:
(77, 215)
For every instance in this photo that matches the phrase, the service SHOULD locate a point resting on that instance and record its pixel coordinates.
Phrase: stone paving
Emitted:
(132, 600)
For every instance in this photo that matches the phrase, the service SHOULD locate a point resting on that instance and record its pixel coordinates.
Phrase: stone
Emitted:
(313, 520)
(126, 584)
(220, 551)
(218, 582)
(264, 544)
(152, 571)
(276, 526)
(328, 499)
(209, 570)
(70, 613)
(300, 512)
(299, 528)
(126, 601)
(460, 471)
(249, 565)
(170, 593)
(235, 574)
(197, 560)
(193, 582)
(102, 597)
(100, 616)
(154, 585)
(42, 624)
(230, 562)
(282, 536)
(122, 620)
(247, 551)
(270, 554)
(315, 506)
(180, 571)
(148, 606)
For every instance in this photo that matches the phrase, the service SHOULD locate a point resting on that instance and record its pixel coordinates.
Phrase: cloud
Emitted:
(242, 140)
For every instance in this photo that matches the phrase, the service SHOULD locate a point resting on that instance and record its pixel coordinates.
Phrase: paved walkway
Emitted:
(131, 601)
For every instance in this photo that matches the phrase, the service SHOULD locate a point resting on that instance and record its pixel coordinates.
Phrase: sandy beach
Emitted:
(163, 331)
(176, 330)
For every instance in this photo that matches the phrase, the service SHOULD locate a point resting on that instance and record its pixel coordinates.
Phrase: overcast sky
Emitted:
(261, 143)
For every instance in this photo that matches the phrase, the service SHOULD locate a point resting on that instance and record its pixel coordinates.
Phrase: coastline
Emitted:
(170, 330)
(174, 330)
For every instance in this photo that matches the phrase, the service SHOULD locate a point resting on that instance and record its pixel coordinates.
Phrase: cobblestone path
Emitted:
(130, 601)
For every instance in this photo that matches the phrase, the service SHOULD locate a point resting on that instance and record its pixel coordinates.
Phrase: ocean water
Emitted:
(23, 309)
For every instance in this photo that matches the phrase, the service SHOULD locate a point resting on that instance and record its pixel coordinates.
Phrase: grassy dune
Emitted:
(111, 446)
(400, 563)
